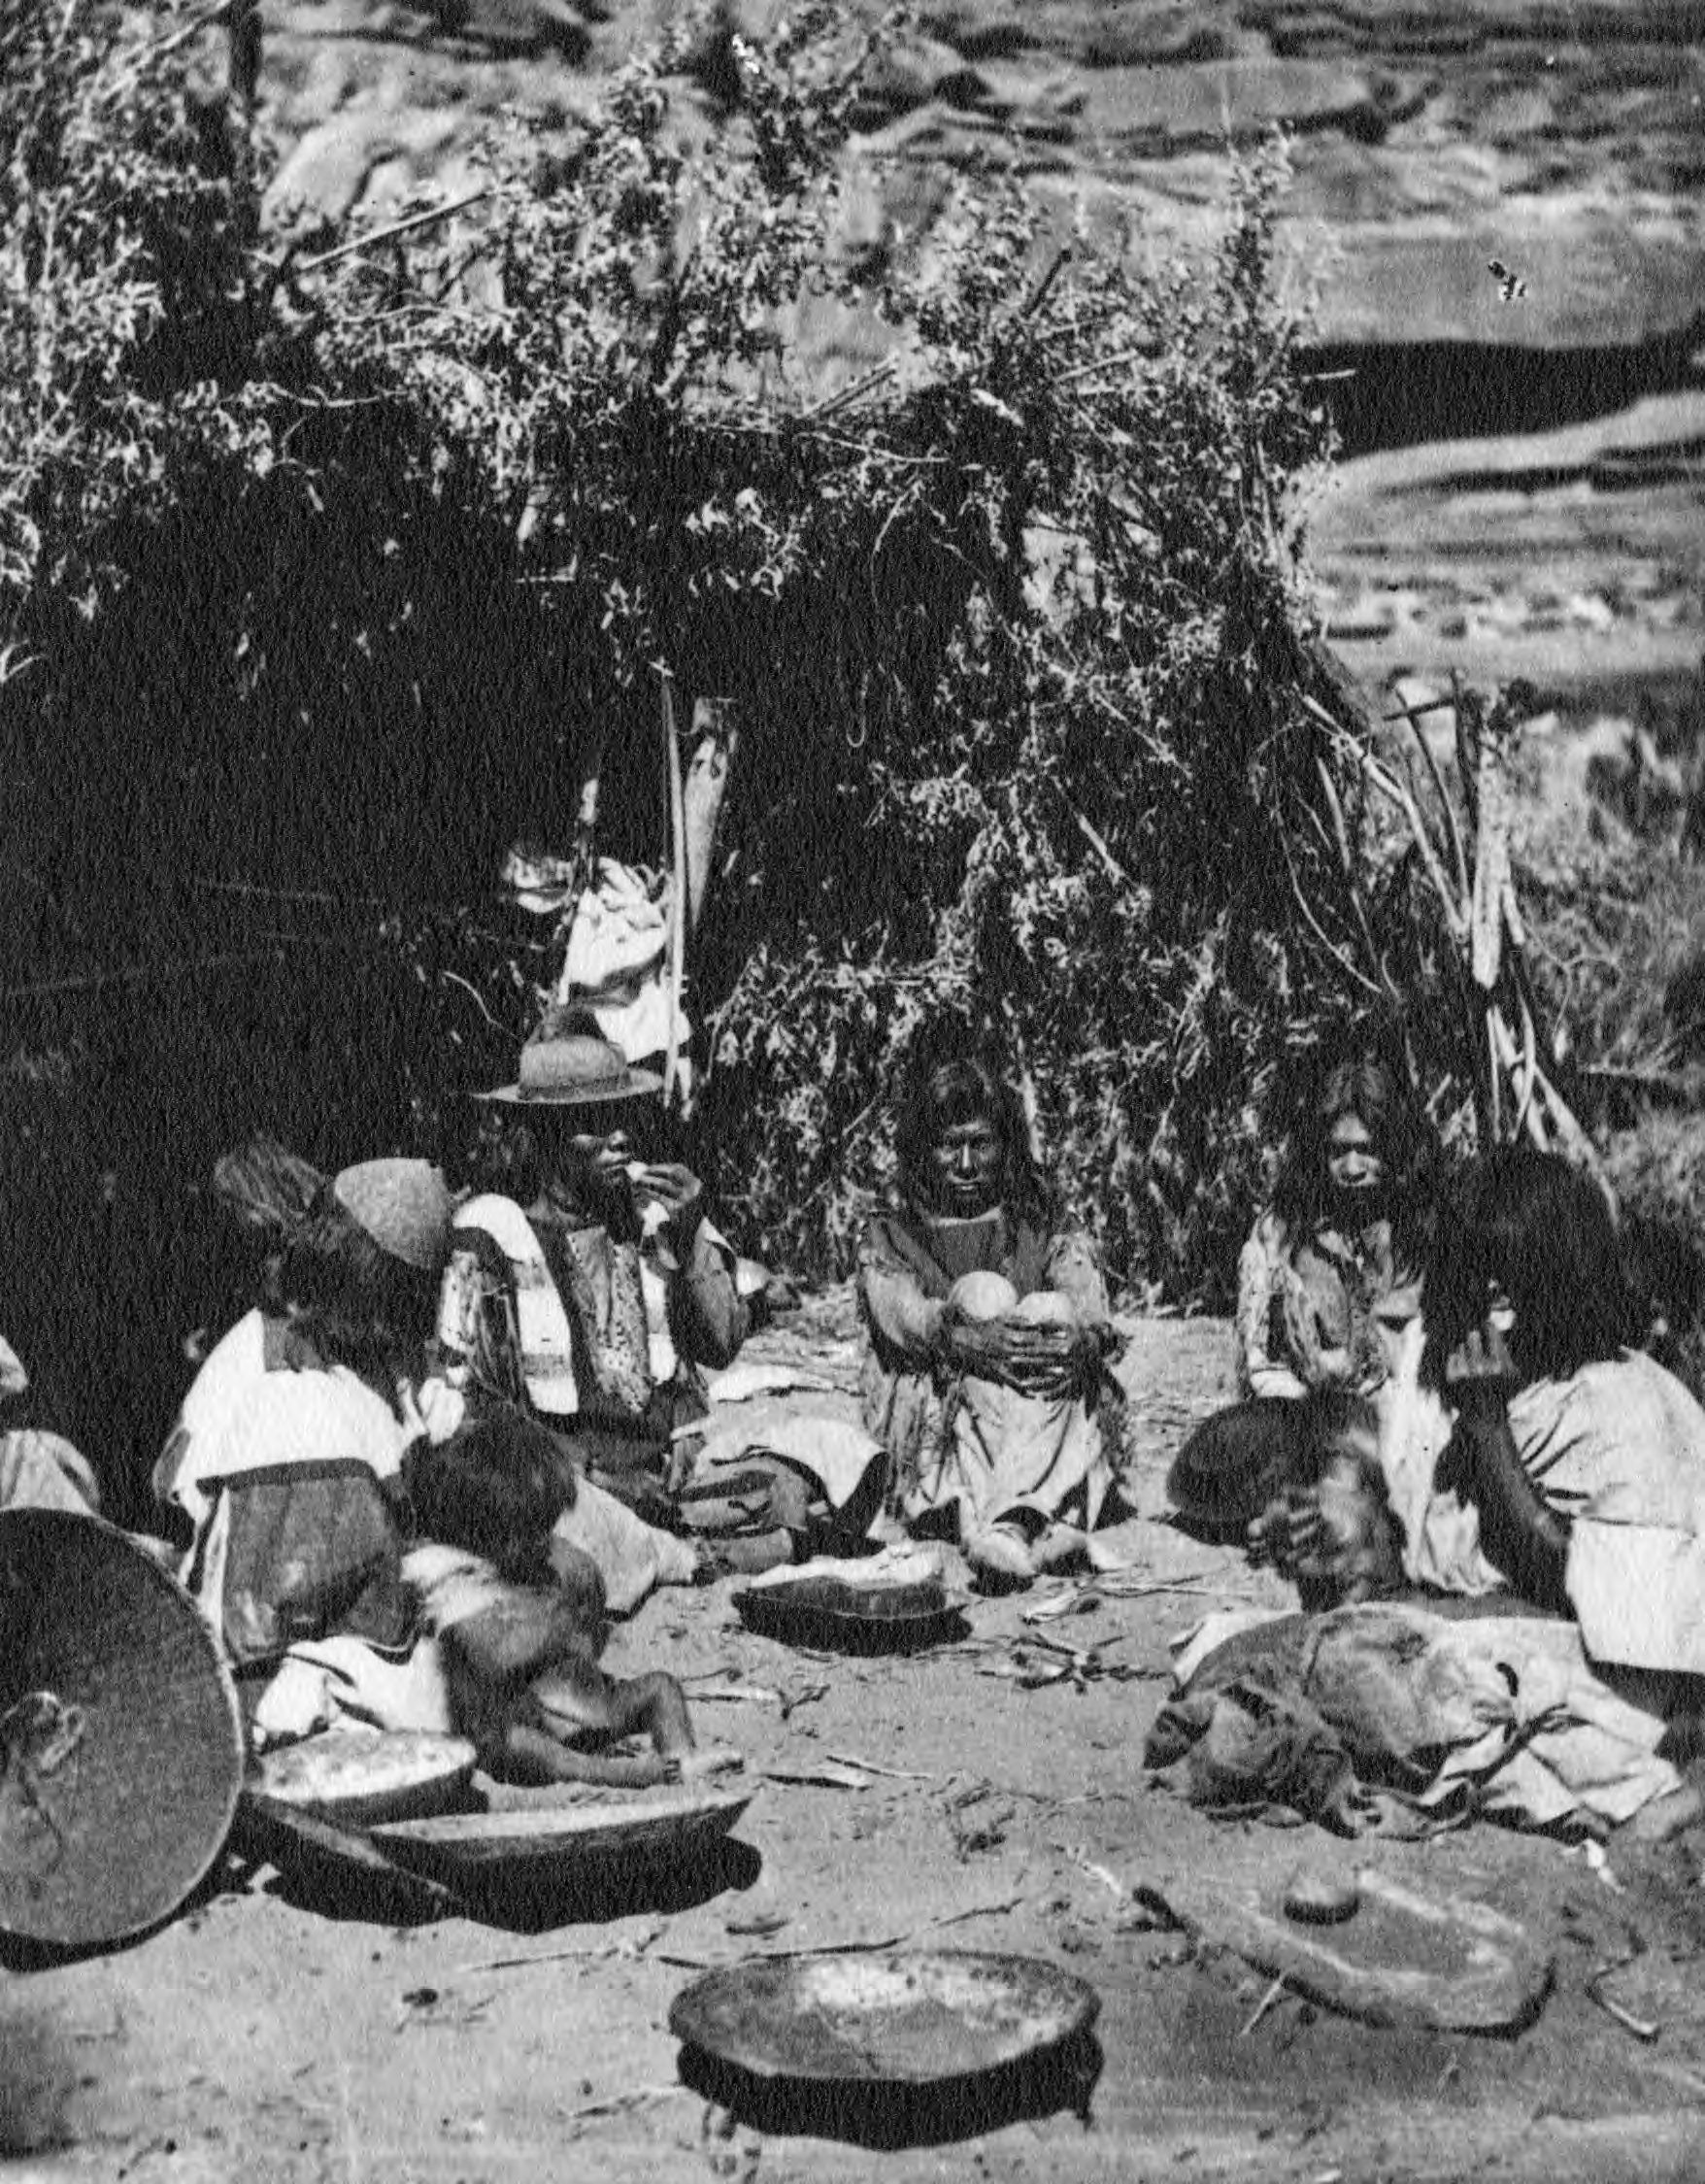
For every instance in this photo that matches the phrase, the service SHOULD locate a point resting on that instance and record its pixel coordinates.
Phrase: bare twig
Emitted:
(1105, 364)
(1266, 2003)
(845, 396)
(1039, 294)
(164, 48)
(387, 234)
(456, 978)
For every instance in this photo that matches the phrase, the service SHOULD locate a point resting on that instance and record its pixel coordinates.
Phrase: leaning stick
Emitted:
(678, 885)
(389, 234)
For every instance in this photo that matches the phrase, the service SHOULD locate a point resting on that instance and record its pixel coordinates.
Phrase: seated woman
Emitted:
(1327, 1285)
(1330, 1273)
(1576, 1465)
(1003, 1425)
(285, 1464)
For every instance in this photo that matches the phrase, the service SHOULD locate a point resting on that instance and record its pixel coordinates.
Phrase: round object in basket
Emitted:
(358, 1777)
(121, 1744)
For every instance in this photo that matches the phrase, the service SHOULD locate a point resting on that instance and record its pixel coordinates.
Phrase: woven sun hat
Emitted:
(404, 1206)
(120, 1732)
(577, 1069)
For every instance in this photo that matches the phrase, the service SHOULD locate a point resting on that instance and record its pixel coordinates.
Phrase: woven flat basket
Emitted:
(121, 1745)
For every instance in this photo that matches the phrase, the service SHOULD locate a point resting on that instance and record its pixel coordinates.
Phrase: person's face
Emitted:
(967, 1159)
(589, 1146)
(1353, 1167)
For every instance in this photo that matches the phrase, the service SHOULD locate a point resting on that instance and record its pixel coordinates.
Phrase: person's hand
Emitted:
(674, 1188)
(1324, 1540)
(1031, 1360)
(1480, 1376)
(1289, 1531)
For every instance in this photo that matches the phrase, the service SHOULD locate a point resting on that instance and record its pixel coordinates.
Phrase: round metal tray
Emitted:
(899, 2018)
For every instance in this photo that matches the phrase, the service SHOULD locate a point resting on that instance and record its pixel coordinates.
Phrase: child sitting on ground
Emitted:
(519, 1617)
(1331, 1531)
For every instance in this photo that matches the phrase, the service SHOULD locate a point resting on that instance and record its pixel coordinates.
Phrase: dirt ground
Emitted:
(258, 2037)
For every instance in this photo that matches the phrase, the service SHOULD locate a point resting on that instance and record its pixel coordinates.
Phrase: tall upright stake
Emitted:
(677, 887)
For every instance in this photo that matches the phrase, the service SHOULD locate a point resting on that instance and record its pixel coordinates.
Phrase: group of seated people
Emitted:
(453, 1436)
(1446, 1391)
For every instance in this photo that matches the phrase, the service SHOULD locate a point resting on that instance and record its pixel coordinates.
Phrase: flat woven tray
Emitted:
(359, 1777)
(892, 2018)
(121, 1744)
(547, 1842)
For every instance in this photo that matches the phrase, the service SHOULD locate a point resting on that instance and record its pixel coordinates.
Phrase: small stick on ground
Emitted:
(1641, 2028)
(1266, 2003)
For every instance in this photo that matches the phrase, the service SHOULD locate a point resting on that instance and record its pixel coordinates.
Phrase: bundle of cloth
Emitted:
(1387, 1719)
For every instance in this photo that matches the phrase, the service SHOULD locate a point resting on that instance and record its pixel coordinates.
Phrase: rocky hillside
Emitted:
(1525, 486)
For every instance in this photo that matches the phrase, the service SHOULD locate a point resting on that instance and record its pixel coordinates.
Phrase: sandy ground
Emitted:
(258, 2037)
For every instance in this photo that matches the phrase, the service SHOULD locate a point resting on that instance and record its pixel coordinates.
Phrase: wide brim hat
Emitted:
(574, 1070)
(123, 1739)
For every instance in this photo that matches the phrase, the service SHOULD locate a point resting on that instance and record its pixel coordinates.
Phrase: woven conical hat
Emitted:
(121, 1743)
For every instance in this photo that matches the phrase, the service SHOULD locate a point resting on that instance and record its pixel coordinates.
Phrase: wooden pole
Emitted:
(677, 888)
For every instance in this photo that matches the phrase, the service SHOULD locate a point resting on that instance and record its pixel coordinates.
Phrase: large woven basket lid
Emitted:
(121, 1744)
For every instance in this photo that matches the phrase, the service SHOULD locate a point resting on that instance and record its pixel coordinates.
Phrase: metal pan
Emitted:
(891, 2018)
(836, 1615)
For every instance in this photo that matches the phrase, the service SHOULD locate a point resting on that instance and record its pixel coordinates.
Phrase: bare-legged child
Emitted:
(520, 1618)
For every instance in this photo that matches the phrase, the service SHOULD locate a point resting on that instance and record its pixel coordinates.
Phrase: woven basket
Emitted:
(121, 1744)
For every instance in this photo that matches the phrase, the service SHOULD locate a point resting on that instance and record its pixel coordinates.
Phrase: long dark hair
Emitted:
(1363, 1078)
(1537, 1227)
(356, 1304)
(953, 1074)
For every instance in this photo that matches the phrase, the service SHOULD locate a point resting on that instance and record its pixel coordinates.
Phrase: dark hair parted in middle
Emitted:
(1365, 1079)
(953, 1075)
(1534, 1228)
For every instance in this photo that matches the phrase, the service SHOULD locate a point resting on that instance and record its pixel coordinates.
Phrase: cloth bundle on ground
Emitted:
(1387, 1719)
(799, 1466)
